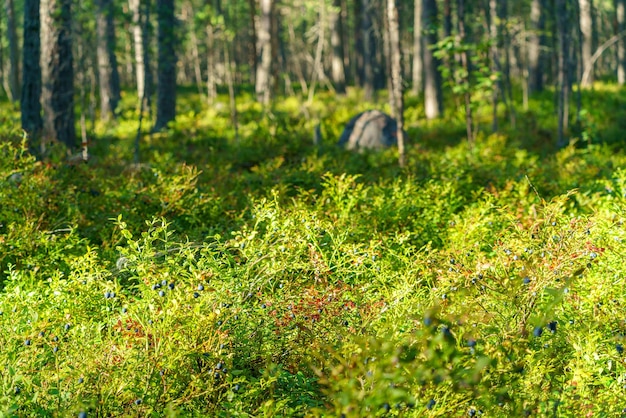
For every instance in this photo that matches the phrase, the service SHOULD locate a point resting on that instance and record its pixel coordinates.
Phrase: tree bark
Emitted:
(620, 12)
(433, 103)
(368, 49)
(418, 64)
(57, 71)
(396, 96)
(586, 30)
(108, 76)
(536, 42)
(139, 29)
(338, 72)
(30, 105)
(14, 70)
(465, 63)
(166, 87)
(563, 68)
(264, 65)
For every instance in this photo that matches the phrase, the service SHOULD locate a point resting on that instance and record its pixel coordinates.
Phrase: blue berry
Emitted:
(156, 286)
(55, 349)
(471, 343)
(138, 401)
(27, 342)
(236, 388)
(526, 280)
(171, 286)
(17, 390)
(430, 404)
(82, 414)
(619, 348)
(124, 310)
(196, 294)
(538, 331)
(161, 293)
(67, 327)
(81, 380)
(163, 282)
(552, 326)
(200, 287)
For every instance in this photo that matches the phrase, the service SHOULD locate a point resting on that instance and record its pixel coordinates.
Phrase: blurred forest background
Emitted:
(64, 60)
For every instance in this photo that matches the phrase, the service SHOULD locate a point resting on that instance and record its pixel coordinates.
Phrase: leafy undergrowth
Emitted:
(265, 277)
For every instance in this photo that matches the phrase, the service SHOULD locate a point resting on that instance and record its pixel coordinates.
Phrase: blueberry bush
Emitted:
(266, 276)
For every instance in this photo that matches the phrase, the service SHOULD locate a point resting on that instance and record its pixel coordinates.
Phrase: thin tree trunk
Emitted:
(338, 72)
(166, 87)
(447, 18)
(620, 13)
(396, 96)
(418, 64)
(252, 58)
(586, 30)
(536, 42)
(465, 63)
(563, 79)
(31, 75)
(433, 103)
(319, 50)
(139, 29)
(14, 70)
(231, 93)
(57, 71)
(368, 49)
(108, 75)
(264, 67)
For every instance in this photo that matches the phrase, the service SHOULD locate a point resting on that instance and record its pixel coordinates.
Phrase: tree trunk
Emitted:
(465, 63)
(338, 73)
(252, 57)
(166, 86)
(620, 11)
(368, 49)
(139, 29)
(536, 42)
(447, 18)
(31, 75)
(57, 71)
(396, 96)
(14, 72)
(418, 64)
(108, 75)
(586, 29)
(563, 67)
(264, 65)
(433, 103)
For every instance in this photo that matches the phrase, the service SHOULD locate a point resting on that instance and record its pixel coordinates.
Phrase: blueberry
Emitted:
(163, 282)
(55, 349)
(219, 366)
(42, 334)
(82, 414)
(236, 388)
(386, 407)
(67, 327)
(171, 286)
(538, 331)
(619, 348)
(81, 380)
(345, 323)
(161, 293)
(552, 326)
(196, 294)
(17, 390)
(263, 306)
(112, 295)
(472, 412)
(124, 310)
(107, 295)
(526, 280)
(200, 287)
(471, 343)
(138, 401)
(430, 404)
(27, 342)
(156, 286)
(219, 323)
(428, 321)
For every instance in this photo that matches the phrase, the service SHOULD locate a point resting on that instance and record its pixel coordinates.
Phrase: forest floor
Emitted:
(251, 273)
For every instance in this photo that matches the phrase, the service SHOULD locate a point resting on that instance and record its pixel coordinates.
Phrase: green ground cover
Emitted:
(263, 276)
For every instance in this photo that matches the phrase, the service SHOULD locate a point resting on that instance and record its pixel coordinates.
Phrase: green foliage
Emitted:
(266, 277)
